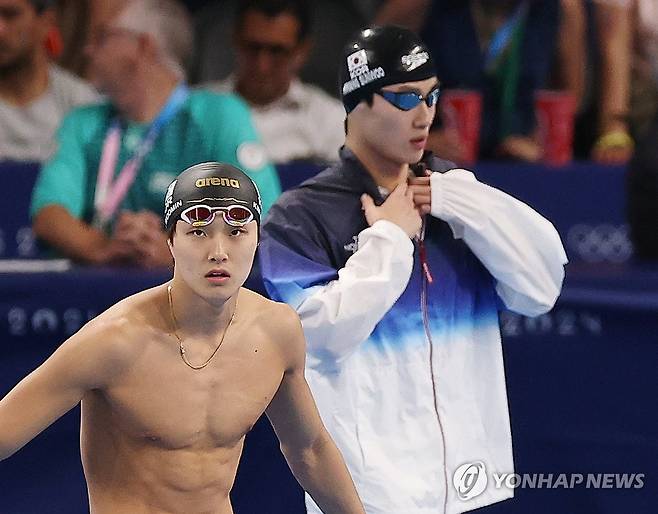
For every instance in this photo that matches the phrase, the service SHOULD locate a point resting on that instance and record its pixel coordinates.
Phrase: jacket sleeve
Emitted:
(520, 248)
(339, 308)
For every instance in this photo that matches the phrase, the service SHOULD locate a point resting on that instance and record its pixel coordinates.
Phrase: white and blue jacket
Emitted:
(408, 400)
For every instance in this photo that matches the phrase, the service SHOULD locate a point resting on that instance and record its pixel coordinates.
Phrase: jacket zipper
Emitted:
(426, 280)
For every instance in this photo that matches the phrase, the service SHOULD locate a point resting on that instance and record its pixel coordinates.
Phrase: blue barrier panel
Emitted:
(585, 201)
(16, 182)
(581, 382)
(581, 379)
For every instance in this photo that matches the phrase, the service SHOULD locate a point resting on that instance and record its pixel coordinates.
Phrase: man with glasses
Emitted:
(171, 379)
(96, 201)
(397, 264)
(296, 120)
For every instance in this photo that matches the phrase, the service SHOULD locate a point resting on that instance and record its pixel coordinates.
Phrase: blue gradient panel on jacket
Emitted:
(460, 298)
(306, 239)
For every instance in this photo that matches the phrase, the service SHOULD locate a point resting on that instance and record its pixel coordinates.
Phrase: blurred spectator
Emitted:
(644, 90)
(35, 94)
(100, 198)
(76, 21)
(406, 13)
(627, 39)
(643, 195)
(570, 66)
(333, 21)
(73, 22)
(643, 168)
(613, 26)
(213, 57)
(502, 48)
(295, 120)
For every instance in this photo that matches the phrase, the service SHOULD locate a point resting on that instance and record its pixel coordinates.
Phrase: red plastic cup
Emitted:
(555, 111)
(462, 110)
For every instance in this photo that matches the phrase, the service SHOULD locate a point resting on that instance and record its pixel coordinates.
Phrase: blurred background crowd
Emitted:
(266, 70)
(104, 102)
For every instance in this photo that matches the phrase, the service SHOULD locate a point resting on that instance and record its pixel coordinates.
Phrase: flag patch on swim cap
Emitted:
(360, 73)
(357, 63)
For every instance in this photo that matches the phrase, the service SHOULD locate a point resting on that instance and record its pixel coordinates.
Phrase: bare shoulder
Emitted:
(278, 320)
(115, 337)
(274, 315)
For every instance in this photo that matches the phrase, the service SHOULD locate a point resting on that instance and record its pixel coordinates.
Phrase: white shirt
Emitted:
(305, 123)
(27, 132)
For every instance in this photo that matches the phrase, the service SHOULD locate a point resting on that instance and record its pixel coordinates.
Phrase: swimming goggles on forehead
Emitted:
(202, 215)
(407, 100)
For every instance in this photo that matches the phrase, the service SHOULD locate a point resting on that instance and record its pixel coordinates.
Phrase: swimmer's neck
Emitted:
(386, 172)
(198, 316)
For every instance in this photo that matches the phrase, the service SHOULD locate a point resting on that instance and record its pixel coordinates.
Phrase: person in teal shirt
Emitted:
(151, 123)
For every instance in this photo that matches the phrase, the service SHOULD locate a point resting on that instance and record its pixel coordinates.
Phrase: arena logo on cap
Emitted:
(217, 181)
(413, 61)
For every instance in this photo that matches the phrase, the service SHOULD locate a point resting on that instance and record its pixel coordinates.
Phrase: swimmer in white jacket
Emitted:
(398, 279)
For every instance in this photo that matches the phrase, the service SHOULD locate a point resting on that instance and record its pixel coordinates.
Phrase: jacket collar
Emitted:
(356, 174)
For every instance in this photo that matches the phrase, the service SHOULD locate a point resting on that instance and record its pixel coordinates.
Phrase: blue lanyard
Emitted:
(109, 194)
(503, 36)
(168, 111)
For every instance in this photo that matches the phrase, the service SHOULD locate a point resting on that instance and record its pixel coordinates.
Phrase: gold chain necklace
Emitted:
(180, 342)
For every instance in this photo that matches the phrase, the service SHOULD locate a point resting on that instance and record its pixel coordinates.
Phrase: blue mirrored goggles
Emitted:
(407, 100)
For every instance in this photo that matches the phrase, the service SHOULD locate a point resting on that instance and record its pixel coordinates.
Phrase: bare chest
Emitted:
(164, 401)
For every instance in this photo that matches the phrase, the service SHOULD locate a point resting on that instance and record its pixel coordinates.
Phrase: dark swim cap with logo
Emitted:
(381, 56)
(213, 184)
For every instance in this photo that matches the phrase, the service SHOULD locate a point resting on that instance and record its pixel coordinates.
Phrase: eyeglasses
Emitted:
(202, 215)
(407, 100)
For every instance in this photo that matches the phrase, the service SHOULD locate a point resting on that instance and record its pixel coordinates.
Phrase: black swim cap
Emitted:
(380, 56)
(214, 184)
